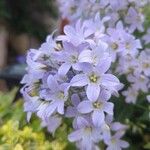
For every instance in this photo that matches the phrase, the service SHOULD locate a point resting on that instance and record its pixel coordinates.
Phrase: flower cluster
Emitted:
(130, 55)
(71, 75)
(127, 10)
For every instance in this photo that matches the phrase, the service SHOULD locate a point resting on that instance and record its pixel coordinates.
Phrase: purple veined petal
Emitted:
(53, 124)
(85, 107)
(65, 88)
(75, 136)
(123, 144)
(98, 118)
(69, 29)
(104, 65)
(41, 110)
(113, 147)
(119, 25)
(68, 47)
(109, 80)
(109, 119)
(82, 46)
(108, 108)
(118, 126)
(102, 45)
(60, 107)
(52, 82)
(93, 91)
(91, 42)
(87, 142)
(106, 132)
(81, 122)
(25, 79)
(74, 123)
(64, 68)
(105, 95)
(86, 67)
(62, 38)
(50, 109)
(85, 56)
(78, 26)
(96, 135)
(88, 32)
(75, 99)
(138, 44)
(79, 80)
(70, 112)
(29, 114)
(77, 66)
(119, 134)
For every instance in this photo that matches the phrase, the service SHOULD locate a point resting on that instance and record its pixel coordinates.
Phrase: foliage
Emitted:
(25, 16)
(16, 134)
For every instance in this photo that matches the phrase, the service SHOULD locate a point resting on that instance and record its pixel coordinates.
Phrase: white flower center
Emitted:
(114, 46)
(128, 46)
(61, 95)
(88, 130)
(93, 78)
(146, 65)
(97, 105)
(73, 59)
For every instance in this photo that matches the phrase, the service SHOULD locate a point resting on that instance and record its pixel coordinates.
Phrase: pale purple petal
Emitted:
(93, 91)
(29, 114)
(81, 122)
(108, 108)
(85, 107)
(85, 56)
(63, 69)
(70, 112)
(60, 107)
(62, 38)
(104, 95)
(79, 80)
(75, 136)
(50, 109)
(69, 31)
(86, 67)
(87, 143)
(52, 83)
(116, 126)
(104, 65)
(75, 99)
(123, 144)
(98, 118)
(109, 80)
(77, 66)
(53, 123)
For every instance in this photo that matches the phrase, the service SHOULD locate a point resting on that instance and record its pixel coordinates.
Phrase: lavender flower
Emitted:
(95, 78)
(70, 57)
(76, 36)
(115, 143)
(97, 108)
(52, 123)
(87, 135)
(135, 19)
(71, 75)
